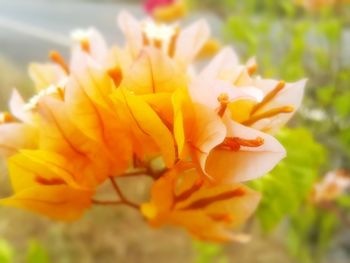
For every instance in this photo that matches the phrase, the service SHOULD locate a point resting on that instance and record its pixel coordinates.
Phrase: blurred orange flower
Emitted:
(166, 10)
(333, 185)
(208, 212)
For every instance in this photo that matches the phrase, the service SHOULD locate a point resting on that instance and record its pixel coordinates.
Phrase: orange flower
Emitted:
(180, 197)
(315, 5)
(114, 112)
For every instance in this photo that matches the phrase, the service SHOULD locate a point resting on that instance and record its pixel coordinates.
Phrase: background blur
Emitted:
(290, 41)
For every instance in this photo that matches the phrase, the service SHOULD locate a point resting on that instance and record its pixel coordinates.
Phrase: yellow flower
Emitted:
(43, 183)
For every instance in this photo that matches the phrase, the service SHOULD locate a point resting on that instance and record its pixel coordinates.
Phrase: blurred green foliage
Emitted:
(288, 186)
(6, 252)
(36, 253)
(209, 253)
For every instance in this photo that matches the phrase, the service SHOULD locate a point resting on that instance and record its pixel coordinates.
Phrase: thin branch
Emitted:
(121, 195)
(135, 173)
(100, 202)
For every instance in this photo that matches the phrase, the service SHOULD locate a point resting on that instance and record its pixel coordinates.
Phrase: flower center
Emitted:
(160, 36)
(224, 100)
(235, 143)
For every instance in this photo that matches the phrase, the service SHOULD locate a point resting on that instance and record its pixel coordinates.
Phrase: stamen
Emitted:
(224, 100)
(235, 143)
(268, 114)
(52, 181)
(116, 74)
(85, 45)
(59, 60)
(172, 42)
(60, 92)
(252, 69)
(158, 43)
(5, 117)
(145, 39)
(272, 94)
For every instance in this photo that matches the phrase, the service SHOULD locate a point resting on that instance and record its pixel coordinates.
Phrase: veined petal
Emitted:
(59, 134)
(31, 168)
(207, 212)
(155, 73)
(145, 124)
(248, 162)
(59, 202)
(89, 105)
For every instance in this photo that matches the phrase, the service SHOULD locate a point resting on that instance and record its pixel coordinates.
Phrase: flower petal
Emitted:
(16, 136)
(190, 42)
(132, 31)
(59, 202)
(249, 162)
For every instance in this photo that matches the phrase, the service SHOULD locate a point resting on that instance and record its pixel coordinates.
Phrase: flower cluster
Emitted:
(314, 5)
(114, 112)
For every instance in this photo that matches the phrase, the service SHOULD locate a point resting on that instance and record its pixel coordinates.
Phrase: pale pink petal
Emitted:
(208, 93)
(209, 131)
(190, 41)
(16, 136)
(224, 65)
(97, 50)
(80, 61)
(291, 95)
(17, 107)
(249, 162)
(132, 30)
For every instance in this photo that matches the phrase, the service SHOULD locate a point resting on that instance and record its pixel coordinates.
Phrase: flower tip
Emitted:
(149, 210)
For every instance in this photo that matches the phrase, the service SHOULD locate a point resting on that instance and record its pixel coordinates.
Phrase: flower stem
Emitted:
(123, 200)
